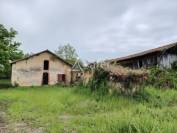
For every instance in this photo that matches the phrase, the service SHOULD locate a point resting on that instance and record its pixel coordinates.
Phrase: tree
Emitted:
(9, 50)
(28, 54)
(68, 53)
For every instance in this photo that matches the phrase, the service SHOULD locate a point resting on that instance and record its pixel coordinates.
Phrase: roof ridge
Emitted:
(35, 54)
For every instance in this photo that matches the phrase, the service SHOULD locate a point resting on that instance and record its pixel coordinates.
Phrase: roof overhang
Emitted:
(45, 51)
(144, 53)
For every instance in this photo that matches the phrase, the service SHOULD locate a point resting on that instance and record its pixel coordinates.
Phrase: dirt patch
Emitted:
(3, 124)
(24, 128)
(172, 103)
(5, 127)
(65, 119)
(16, 127)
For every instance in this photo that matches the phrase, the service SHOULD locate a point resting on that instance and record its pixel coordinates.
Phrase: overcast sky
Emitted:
(98, 29)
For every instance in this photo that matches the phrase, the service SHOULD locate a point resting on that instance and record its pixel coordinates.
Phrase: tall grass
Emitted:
(64, 109)
(163, 78)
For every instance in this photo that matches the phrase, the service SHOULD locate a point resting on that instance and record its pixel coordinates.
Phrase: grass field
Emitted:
(75, 110)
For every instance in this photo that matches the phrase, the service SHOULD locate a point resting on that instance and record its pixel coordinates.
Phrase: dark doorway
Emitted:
(140, 63)
(45, 79)
(46, 65)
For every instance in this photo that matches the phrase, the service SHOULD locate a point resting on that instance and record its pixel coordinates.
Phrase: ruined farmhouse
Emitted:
(44, 68)
(163, 57)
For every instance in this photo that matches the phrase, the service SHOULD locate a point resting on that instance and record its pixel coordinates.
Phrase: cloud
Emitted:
(98, 29)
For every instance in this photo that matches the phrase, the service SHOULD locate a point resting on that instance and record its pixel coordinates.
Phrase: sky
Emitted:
(98, 29)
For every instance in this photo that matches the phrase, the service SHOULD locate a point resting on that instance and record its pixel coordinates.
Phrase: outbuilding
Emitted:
(162, 57)
(43, 68)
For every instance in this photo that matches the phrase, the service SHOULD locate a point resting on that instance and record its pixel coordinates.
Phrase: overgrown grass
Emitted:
(163, 78)
(64, 109)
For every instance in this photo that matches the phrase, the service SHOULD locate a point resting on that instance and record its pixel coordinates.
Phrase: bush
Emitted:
(142, 95)
(162, 78)
(116, 79)
(99, 80)
(174, 65)
(5, 83)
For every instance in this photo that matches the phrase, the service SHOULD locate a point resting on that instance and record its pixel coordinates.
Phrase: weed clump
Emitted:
(99, 82)
(162, 78)
(174, 65)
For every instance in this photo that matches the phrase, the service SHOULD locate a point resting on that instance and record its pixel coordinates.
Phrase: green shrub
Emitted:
(174, 65)
(141, 95)
(5, 83)
(99, 80)
(162, 78)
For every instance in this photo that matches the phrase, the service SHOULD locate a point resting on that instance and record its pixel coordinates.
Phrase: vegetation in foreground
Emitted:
(63, 109)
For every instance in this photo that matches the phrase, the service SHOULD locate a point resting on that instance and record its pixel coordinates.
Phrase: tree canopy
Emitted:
(9, 50)
(68, 53)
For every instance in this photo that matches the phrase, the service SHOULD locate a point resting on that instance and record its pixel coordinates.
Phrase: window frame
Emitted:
(61, 78)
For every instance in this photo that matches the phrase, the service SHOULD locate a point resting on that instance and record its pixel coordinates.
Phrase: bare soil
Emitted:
(3, 124)
(14, 127)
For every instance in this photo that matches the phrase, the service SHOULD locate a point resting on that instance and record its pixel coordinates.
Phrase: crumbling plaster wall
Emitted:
(29, 72)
